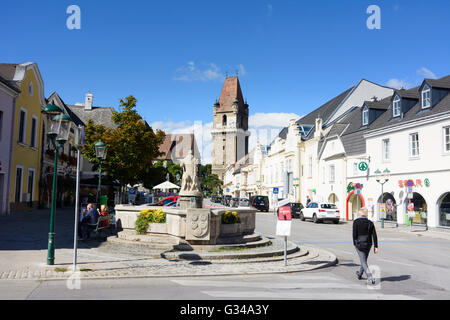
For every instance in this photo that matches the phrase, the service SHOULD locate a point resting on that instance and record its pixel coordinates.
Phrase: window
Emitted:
(414, 144)
(18, 191)
(1, 124)
(396, 107)
(323, 175)
(332, 173)
(310, 166)
(31, 183)
(426, 96)
(224, 120)
(33, 132)
(447, 139)
(22, 125)
(386, 149)
(365, 116)
(30, 88)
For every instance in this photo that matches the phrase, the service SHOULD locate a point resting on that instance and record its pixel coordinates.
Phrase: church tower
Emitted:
(230, 127)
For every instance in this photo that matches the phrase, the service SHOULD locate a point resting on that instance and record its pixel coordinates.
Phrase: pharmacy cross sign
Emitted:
(363, 166)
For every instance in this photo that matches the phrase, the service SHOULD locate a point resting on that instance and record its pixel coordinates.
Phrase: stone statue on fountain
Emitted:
(190, 183)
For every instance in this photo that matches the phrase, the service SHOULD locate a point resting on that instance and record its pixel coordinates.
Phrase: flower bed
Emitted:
(146, 217)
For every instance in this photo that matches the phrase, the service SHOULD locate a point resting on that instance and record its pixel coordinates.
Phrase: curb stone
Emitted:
(299, 264)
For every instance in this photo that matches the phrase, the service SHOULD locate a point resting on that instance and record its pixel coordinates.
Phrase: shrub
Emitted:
(230, 217)
(148, 216)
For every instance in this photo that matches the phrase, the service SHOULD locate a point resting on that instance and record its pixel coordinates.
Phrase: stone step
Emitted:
(153, 238)
(246, 238)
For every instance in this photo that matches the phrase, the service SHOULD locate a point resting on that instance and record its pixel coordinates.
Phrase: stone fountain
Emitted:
(191, 227)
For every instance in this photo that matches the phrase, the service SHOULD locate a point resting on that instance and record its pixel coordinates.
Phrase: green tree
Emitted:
(210, 183)
(132, 145)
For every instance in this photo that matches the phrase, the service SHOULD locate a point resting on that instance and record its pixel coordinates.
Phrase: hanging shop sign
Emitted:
(363, 166)
(354, 187)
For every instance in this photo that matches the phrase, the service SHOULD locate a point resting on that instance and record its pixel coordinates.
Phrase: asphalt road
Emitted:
(410, 267)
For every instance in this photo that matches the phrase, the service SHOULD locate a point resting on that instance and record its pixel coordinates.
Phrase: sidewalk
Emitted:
(23, 255)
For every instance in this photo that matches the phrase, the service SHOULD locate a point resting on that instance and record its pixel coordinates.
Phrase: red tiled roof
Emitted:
(230, 91)
(176, 146)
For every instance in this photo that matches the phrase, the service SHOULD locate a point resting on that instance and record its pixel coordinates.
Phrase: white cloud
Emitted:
(206, 72)
(269, 9)
(271, 119)
(426, 73)
(264, 127)
(397, 83)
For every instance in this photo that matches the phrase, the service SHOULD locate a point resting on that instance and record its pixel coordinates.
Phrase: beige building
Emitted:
(230, 133)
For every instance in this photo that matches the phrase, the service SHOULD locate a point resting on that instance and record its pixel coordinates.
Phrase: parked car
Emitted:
(260, 203)
(296, 207)
(234, 202)
(243, 202)
(226, 200)
(318, 212)
(165, 201)
(171, 204)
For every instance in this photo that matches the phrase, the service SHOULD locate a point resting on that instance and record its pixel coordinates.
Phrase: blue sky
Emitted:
(292, 56)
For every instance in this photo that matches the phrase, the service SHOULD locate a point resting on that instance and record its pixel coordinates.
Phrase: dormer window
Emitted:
(365, 116)
(396, 107)
(426, 97)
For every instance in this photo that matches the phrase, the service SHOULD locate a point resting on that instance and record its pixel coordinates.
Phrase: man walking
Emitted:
(363, 233)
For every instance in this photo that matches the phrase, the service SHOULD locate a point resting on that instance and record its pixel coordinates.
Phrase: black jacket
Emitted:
(363, 226)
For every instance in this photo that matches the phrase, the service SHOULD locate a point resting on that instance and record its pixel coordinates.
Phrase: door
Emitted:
(30, 186)
(1, 193)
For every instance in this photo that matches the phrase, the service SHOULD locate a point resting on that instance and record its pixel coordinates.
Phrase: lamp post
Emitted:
(382, 178)
(100, 152)
(79, 141)
(60, 125)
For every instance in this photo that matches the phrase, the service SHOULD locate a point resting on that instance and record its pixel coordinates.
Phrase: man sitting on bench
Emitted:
(89, 218)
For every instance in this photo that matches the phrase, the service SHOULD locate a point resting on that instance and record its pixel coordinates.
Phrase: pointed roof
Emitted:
(231, 90)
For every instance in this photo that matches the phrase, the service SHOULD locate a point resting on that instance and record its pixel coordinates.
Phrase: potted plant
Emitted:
(150, 220)
(231, 223)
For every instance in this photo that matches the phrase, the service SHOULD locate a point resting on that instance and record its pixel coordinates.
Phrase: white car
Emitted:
(318, 211)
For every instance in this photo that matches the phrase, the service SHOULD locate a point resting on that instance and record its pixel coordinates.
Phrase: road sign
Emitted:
(410, 183)
(227, 189)
(275, 190)
(363, 166)
(283, 228)
(410, 190)
(358, 186)
(284, 213)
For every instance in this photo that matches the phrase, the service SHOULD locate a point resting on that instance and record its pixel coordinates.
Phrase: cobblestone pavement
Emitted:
(23, 253)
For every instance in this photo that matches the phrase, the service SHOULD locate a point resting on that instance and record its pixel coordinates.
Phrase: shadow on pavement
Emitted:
(29, 230)
(395, 279)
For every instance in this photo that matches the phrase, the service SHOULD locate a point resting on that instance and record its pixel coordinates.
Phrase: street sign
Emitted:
(283, 228)
(363, 166)
(275, 190)
(411, 206)
(410, 190)
(284, 213)
(382, 211)
(410, 183)
(131, 194)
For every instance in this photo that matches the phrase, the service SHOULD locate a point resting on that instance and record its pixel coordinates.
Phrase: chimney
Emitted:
(318, 128)
(88, 101)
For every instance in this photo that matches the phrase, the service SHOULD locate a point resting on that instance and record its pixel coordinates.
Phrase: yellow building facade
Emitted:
(27, 139)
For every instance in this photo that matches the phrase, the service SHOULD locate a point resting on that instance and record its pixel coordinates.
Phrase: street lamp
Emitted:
(100, 152)
(58, 134)
(382, 178)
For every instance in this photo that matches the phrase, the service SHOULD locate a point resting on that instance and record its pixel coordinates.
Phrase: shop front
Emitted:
(444, 210)
(387, 207)
(416, 209)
